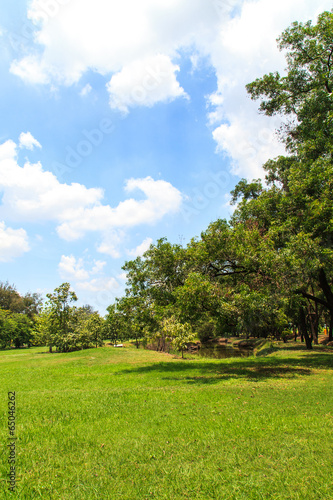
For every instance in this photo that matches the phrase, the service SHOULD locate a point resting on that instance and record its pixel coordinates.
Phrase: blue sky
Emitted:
(122, 123)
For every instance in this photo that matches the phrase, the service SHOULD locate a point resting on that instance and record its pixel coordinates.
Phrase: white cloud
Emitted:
(141, 249)
(111, 242)
(249, 146)
(8, 150)
(109, 249)
(126, 41)
(99, 285)
(33, 194)
(98, 267)
(231, 208)
(122, 276)
(31, 69)
(86, 90)
(13, 243)
(144, 83)
(161, 199)
(72, 269)
(107, 35)
(26, 140)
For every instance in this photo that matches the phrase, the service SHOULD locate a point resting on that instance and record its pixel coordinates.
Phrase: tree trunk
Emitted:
(300, 331)
(330, 332)
(314, 330)
(304, 329)
(324, 285)
(314, 322)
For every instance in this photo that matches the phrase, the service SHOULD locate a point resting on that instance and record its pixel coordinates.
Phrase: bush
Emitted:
(206, 330)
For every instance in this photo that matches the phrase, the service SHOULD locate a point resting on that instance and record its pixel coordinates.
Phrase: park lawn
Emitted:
(132, 424)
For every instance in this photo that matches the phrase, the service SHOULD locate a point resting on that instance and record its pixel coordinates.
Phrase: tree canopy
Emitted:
(25, 321)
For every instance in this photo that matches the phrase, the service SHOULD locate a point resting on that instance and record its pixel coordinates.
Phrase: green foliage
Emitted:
(179, 334)
(16, 329)
(41, 332)
(66, 327)
(113, 325)
(11, 300)
(61, 318)
(89, 331)
(198, 297)
(22, 333)
(246, 190)
(6, 328)
(158, 273)
(206, 330)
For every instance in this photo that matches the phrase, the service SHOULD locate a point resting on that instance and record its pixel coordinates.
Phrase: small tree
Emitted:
(179, 334)
(113, 324)
(60, 314)
(90, 331)
(42, 332)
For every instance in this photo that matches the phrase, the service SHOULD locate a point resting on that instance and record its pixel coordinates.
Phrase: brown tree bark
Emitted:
(324, 285)
(304, 329)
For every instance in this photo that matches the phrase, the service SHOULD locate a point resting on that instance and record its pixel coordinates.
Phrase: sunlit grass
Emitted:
(133, 424)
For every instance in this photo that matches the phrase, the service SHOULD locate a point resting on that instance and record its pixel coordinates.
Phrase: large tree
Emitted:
(296, 209)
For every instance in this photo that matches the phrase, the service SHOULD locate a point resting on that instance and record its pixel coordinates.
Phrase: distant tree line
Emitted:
(17, 316)
(26, 321)
(269, 269)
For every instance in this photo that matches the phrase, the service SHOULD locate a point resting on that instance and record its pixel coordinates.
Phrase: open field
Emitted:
(131, 424)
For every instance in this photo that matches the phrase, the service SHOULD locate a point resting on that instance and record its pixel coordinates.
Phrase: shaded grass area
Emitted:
(132, 424)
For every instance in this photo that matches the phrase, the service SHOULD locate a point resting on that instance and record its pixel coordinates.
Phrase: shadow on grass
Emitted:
(251, 369)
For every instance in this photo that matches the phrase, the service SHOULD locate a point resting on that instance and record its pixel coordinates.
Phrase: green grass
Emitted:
(131, 424)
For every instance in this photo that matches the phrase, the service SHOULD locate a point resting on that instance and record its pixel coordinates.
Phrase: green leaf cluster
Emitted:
(65, 327)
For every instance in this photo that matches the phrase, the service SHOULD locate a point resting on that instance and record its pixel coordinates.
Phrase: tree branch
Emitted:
(312, 297)
(328, 88)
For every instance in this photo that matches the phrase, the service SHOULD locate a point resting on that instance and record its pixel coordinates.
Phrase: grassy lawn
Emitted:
(131, 424)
